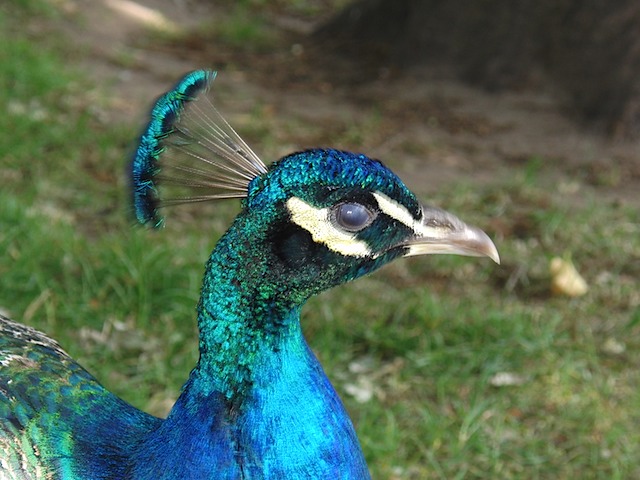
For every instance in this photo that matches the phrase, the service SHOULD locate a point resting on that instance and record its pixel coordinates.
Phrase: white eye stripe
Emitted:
(399, 212)
(317, 222)
(395, 210)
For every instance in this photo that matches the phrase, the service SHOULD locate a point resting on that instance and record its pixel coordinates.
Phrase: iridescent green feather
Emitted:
(48, 409)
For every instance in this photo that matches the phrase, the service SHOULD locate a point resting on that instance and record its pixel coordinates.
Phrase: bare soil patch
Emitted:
(434, 132)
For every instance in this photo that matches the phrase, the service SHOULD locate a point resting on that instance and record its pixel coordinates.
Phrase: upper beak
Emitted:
(442, 232)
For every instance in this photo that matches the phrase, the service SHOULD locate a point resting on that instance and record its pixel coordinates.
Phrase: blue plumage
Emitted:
(257, 404)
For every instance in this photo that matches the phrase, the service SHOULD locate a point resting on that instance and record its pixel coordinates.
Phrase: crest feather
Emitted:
(189, 152)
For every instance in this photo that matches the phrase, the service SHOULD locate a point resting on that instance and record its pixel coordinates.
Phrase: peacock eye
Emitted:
(353, 217)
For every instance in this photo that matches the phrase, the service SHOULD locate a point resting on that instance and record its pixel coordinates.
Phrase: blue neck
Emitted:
(258, 404)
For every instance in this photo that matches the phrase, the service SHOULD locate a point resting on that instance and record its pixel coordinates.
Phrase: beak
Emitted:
(442, 232)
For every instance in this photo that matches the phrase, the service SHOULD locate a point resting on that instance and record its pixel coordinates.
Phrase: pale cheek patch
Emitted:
(317, 222)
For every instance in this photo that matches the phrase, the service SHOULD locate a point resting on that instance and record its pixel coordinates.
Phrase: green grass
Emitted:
(425, 336)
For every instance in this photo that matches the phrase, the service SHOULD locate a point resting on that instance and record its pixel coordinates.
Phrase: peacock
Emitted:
(258, 404)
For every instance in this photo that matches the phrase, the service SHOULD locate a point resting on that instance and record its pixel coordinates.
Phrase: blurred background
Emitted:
(521, 117)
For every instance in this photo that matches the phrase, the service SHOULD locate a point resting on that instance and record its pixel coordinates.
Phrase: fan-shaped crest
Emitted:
(189, 153)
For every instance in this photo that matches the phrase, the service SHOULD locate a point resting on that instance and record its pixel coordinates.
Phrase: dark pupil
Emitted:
(353, 216)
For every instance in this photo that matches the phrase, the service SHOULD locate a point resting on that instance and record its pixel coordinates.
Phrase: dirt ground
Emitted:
(433, 132)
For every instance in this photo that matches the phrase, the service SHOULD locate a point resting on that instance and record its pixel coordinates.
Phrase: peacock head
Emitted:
(332, 216)
(321, 216)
